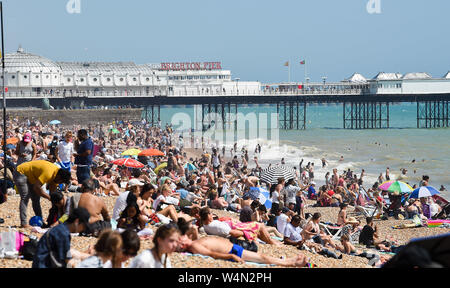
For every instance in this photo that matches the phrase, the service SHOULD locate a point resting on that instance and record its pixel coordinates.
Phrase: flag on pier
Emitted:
(303, 62)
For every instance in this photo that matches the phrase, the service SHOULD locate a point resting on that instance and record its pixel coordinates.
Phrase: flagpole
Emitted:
(4, 101)
(306, 75)
(289, 72)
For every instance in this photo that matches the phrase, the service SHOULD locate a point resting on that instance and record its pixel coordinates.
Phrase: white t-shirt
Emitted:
(275, 196)
(282, 221)
(291, 192)
(434, 209)
(65, 151)
(158, 200)
(217, 228)
(293, 233)
(147, 260)
(120, 205)
(172, 200)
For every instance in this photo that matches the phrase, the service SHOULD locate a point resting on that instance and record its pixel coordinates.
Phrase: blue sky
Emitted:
(252, 38)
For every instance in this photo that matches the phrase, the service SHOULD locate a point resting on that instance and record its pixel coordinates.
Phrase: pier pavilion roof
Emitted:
(447, 76)
(418, 76)
(24, 62)
(357, 78)
(104, 67)
(388, 76)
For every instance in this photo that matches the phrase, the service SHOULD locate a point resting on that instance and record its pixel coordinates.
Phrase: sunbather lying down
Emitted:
(221, 248)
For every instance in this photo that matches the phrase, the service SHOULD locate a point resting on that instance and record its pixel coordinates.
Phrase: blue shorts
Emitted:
(236, 250)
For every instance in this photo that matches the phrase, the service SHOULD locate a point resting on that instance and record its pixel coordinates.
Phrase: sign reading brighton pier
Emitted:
(191, 66)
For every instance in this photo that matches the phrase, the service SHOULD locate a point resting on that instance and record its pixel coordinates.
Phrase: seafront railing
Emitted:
(125, 93)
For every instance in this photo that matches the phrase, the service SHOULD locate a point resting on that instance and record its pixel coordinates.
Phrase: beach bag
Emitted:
(28, 249)
(247, 245)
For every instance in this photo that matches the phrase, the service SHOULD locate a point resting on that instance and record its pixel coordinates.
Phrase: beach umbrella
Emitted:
(13, 140)
(395, 186)
(161, 166)
(131, 152)
(151, 152)
(128, 162)
(424, 191)
(263, 196)
(54, 122)
(190, 167)
(270, 175)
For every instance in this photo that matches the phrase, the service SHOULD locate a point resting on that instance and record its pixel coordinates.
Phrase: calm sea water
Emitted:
(372, 150)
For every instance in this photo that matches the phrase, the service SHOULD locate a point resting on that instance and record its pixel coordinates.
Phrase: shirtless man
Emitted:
(222, 248)
(95, 206)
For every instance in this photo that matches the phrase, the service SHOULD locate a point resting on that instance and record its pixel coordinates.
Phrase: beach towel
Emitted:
(246, 262)
(250, 229)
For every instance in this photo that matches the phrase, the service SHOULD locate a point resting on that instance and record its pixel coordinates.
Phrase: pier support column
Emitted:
(366, 115)
(152, 114)
(291, 115)
(433, 114)
(218, 115)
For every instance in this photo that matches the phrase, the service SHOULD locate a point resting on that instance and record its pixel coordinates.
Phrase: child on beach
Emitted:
(165, 242)
(129, 219)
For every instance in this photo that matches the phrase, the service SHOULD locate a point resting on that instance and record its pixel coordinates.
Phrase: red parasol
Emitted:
(128, 162)
(151, 152)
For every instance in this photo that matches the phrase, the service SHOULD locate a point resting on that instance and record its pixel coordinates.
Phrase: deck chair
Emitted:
(349, 198)
(334, 231)
(367, 211)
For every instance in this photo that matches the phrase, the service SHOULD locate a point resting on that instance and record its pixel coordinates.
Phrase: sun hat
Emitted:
(352, 220)
(135, 182)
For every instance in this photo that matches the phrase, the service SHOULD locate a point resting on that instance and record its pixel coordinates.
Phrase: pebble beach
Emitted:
(10, 212)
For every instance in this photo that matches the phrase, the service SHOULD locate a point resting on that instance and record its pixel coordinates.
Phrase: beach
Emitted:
(10, 212)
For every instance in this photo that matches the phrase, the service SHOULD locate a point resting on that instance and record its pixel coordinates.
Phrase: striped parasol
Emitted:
(424, 191)
(270, 175)
(395, 186)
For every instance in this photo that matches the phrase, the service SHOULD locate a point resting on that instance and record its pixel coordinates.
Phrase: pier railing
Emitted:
(127, 93)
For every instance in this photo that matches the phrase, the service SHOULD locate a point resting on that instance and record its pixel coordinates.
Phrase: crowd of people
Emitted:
(175, 195)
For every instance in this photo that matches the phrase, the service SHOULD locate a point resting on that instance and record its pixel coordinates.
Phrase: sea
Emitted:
(420, 151)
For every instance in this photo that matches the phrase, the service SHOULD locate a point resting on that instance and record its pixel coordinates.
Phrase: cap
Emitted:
(313, 183)
(135, 182)
(27, 137)
(285, 210)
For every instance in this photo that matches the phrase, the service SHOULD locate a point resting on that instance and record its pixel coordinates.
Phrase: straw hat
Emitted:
(352, 220)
